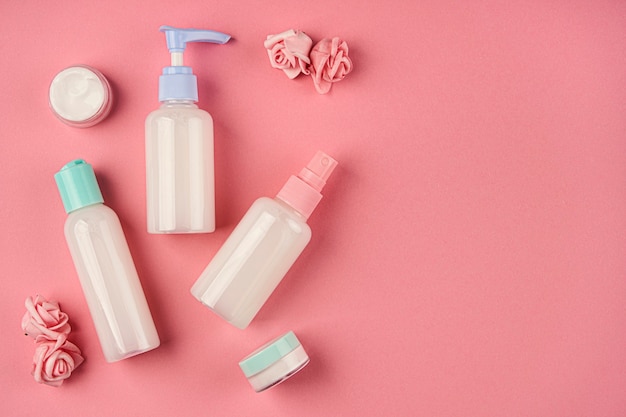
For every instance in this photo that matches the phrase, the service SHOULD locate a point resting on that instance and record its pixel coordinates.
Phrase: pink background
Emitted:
(469, 256)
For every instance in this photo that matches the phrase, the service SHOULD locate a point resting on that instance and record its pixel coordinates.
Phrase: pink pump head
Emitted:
(303, 192)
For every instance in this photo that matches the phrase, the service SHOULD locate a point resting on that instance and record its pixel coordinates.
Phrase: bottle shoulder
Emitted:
(271, 214)
(92, 213)
(278, 208)
(177, 105)
(178, 112)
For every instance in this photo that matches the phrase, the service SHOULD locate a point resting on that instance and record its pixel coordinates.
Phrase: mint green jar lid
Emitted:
(269, 354)
(77, 185)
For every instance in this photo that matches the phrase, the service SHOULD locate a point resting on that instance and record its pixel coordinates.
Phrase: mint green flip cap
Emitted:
(269, 354)
(77, 185)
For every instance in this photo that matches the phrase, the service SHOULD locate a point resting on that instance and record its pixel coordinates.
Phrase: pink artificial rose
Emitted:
(44, 318)
(329, 63)
(289, 51)
(55, 360)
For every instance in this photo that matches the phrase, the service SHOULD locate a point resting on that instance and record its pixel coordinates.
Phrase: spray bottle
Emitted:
(264, 245)
(180, 183)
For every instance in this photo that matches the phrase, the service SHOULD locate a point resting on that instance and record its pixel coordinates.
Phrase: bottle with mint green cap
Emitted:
(104, 265)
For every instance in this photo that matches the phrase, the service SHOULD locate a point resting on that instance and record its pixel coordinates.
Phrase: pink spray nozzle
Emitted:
(318, 170)
(303, 192)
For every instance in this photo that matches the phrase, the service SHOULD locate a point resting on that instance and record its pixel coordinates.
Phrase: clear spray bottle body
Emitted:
(253, 261)
(262, 248)
(105, 267)
(180, 184)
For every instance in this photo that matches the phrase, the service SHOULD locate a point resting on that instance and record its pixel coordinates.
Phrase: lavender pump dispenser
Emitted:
(180, 183)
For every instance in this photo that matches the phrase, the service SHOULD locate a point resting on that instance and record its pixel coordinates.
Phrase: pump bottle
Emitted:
(262, 247)
(104, 265)
(180, 184)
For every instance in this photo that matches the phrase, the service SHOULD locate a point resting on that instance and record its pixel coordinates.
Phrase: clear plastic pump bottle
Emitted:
(262, 247)
(104, 265)
(180, 183)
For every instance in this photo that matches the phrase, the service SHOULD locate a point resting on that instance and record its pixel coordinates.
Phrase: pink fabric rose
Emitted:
(329, 63)
(55, 360)
(44, 318)
(289, 51)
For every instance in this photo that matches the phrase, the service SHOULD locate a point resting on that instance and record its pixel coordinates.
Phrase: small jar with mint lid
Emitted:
(274, 362)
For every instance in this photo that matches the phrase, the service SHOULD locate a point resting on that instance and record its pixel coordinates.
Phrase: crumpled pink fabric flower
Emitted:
(44, 318)
(329, 63)
(55, 360)
(289, 51)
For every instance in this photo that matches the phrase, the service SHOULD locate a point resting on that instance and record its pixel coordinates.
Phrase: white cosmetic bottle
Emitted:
(104, 265)
(180, 183)
(262, 247)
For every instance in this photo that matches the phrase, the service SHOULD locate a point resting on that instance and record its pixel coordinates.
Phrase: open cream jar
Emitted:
(80, 96)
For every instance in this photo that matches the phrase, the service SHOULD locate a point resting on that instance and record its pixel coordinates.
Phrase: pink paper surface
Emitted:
(468, 257)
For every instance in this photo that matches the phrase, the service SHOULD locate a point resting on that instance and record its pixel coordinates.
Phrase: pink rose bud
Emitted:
(44, 318)
(329, 63)
(289, 51)
(55, 360)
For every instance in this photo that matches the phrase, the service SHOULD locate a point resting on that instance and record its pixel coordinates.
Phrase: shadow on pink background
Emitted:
(467, 258)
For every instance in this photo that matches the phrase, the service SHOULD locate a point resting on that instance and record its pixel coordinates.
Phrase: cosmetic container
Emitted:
(104, 265)
(180, 183)
(80, 96)
(274, 362)
(262, 247)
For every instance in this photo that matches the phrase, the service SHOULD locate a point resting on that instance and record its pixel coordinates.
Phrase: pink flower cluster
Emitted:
(55, 356)
(293, 52)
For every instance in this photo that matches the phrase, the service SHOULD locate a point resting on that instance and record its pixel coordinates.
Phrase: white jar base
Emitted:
(280, 370)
